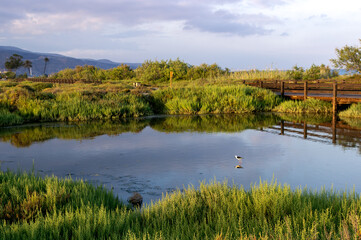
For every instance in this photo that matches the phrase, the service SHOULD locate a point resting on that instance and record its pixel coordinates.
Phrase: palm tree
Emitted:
(28, 65)
(46, 60)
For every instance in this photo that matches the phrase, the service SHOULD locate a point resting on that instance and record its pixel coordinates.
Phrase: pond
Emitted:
(160, 154)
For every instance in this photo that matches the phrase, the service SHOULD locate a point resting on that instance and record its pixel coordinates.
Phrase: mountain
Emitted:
(56, 62)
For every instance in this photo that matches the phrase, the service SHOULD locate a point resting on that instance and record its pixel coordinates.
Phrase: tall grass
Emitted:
(354, 111)
(261, 75)
(214, 99)
(34, 102)
(309, 106)
(50, 208)
(8, 119)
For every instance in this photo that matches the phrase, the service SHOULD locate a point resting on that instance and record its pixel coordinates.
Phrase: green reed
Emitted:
(261, 75)
(309, 106)
(50, 208)
(215, 99)
(354, 111)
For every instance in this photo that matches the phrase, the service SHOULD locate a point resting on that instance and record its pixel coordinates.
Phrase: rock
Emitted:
(136, 200)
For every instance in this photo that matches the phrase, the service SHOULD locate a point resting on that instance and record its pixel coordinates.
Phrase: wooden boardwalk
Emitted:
(335, 132)
(61, 81)
(337, 92)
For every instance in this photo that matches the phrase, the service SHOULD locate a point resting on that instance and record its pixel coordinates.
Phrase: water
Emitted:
(158, 155)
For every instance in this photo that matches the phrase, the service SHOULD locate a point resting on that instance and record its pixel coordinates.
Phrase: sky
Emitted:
(238, 34)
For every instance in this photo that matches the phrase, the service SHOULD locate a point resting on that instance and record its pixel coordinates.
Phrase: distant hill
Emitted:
(56, 62)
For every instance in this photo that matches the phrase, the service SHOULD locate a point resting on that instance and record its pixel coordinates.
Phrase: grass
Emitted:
(354, 111)
(215, 99)
(50, 208)
(8, 119)
(113, 100)
(39, 102)
(309, 106)
(261, 75)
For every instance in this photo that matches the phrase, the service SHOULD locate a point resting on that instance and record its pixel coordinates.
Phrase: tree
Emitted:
(46, 60)
(28, 65)
(348, 57)
(14, 62)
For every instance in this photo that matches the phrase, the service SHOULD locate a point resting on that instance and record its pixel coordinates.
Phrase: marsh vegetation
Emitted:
(50, 208)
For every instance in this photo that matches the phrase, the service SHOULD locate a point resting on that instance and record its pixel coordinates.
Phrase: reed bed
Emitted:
(354, 111)
(309, 106)
(38, 102)
(50, 208)
(261, 75)
(215, 99)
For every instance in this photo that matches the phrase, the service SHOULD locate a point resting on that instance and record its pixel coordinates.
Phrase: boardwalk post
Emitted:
(282, 89)
(282, 127)
(305, 91)
(334, 118)
(334, 98)
(304, 129)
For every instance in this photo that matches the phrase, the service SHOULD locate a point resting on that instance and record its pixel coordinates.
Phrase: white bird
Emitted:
(238, 157)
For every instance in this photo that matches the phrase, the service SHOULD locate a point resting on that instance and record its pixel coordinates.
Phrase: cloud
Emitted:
(267, 3)
(225, 22)
(70, 15)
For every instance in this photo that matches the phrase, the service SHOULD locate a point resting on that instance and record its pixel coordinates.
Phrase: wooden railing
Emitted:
(61, 81)
(338, 92)
(335, 132)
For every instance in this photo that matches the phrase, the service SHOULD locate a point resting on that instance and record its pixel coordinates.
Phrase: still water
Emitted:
(157, 155)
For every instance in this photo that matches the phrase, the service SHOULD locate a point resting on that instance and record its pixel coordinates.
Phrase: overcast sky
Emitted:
(238, 34)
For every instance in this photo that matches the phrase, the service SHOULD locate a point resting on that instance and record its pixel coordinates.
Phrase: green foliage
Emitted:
(309, 106)
(10, 75)
(198, 100)
(121, 72)
(41, 102)
(7, 118)
(354, 111)
(256, 74)
(51, 208)
(14, 62)
(348, 57)
(85, 72)
(155, 71)
(314, 72)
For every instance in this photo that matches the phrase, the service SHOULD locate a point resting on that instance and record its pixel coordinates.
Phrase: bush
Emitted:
(354, 111)
(309, 106)
(199, 100)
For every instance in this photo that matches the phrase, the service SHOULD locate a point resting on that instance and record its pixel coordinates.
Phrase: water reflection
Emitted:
(321, 128)
(157, 155)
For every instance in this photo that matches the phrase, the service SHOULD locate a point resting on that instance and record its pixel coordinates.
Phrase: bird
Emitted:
(136, 200)
(238, 166)
(238, 157)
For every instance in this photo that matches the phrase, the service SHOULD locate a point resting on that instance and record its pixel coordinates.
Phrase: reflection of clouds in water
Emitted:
(153, 162)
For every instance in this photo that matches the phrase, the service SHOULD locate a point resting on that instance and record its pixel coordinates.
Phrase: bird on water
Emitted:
(238, 157)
